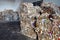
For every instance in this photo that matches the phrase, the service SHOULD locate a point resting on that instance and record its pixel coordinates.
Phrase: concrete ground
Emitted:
(11, 31)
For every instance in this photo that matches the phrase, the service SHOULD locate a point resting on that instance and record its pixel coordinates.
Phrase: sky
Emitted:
(8, 4)
(57, 2)
(13, 4)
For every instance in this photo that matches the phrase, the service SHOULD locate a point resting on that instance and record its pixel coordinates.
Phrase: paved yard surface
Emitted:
(10, 31)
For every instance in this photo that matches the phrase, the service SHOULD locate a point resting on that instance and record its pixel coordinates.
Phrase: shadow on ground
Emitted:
(11, 31)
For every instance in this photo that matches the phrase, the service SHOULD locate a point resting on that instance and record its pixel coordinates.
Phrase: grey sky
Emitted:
(57, 2)
(13, 4)
(9, 4)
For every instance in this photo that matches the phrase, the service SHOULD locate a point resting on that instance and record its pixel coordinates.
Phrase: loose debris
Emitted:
(40, 22)
(9, 15)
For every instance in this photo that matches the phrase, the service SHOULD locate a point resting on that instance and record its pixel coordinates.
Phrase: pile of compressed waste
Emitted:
(9, 15)
(40, 22)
